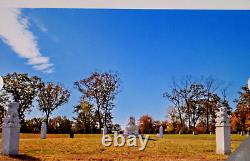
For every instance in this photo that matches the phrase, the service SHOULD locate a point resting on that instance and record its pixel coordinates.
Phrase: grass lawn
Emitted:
(88, 147)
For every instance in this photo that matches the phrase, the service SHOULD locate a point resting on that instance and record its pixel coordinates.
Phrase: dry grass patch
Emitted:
(88, 147)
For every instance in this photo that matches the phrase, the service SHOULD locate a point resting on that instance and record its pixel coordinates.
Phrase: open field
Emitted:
(88, 147)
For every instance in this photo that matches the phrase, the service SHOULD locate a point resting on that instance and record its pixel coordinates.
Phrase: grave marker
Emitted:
(43, 133)
(223, 132)
(11, 130)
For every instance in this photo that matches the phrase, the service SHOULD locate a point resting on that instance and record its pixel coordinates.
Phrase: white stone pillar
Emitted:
(126, 132)
(161, 132)
(105, 130)
(136, 131)
(11, 130)
(223, 132)
(43, 134)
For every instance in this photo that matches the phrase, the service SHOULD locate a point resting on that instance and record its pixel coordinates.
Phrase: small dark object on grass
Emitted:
(24, 157)
(71, 134)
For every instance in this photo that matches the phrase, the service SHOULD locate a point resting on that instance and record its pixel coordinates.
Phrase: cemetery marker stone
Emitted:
(11, 130)
(105, 130)
(223, 132)
(43, 134)
(161, 132)
(131, 128)
(71, 134)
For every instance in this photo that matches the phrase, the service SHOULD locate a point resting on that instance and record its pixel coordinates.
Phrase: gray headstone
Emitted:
(160, 134)
(43, 133)
(11, 130)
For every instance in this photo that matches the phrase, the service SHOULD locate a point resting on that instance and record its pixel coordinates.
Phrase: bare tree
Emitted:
(212, 99)
(179, 96)
(197, 100)
(177, 100)
(100, 90)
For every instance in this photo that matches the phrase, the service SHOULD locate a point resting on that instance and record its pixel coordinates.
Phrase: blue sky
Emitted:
(146, 47)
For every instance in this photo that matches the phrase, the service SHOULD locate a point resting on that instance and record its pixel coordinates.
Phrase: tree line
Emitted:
(193, 104)
(94, 111)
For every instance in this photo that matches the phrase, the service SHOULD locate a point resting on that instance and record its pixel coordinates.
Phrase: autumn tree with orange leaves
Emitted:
(241, 117)
(50, 97)
(146, 124)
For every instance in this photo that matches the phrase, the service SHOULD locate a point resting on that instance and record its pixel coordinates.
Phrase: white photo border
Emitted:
(130, 4)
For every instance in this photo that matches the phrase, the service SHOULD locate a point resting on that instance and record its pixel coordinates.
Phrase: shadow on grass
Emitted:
(149, 139)
(152, 139)
(24, 157)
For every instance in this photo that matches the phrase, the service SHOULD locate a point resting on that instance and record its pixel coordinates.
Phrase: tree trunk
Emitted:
(179, 111)
(99, 120)
(207, 121)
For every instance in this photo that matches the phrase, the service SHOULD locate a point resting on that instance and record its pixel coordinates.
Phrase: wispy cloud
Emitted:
(14, 31)
(39, 24)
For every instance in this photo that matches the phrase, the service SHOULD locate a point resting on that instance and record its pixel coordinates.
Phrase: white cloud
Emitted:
(43, 66)
(48, 71)
(14, 31)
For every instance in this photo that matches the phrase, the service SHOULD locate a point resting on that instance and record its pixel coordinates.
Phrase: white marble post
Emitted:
(43, 134)
(126, 131)
(105, 130)
(161, 132)
(136, 130)
(223, 132)
(11, 130)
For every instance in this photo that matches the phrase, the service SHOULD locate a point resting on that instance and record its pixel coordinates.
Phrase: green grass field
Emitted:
(89, 147)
